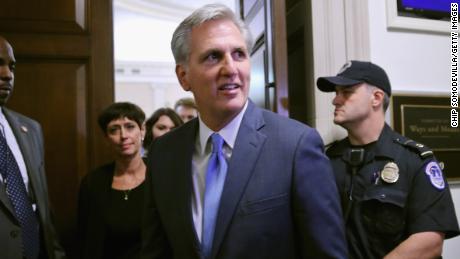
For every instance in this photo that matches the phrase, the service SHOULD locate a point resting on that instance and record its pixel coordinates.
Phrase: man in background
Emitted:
(186, 108)
(396, 201)
(238, 181)
(26, 230)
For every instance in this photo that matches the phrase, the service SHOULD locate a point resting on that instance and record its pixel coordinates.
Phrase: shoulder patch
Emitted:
(423, 151)
(434, 173)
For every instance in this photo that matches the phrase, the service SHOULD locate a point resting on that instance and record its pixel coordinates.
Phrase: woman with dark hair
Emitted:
(111, 197)
(161, 122)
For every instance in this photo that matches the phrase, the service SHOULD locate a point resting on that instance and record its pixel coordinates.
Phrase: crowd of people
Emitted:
(219, 177)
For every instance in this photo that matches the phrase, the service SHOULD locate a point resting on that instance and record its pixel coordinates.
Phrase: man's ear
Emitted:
(378, 98)
(181, 73)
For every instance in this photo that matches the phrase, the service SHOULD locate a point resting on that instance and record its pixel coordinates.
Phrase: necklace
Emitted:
(126, 194)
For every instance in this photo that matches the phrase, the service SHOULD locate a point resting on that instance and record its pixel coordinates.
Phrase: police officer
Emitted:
(395, 199)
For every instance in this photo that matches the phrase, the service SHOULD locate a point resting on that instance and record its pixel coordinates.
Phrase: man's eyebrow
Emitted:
(209, 51)
(212, 50)
(240, 48)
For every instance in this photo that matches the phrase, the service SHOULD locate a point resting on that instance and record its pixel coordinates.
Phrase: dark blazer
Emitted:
(29, 136)
(92, 201)
(279, 199)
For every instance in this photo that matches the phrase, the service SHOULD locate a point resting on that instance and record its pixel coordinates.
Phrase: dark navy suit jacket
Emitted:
(279, 198)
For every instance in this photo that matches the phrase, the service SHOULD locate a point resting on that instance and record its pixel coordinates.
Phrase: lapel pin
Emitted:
(24, 129)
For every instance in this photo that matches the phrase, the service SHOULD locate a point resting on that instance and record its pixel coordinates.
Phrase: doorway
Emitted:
(144, 64)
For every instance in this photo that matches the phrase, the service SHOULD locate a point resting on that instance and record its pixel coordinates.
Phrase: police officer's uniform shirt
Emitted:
(411, 197)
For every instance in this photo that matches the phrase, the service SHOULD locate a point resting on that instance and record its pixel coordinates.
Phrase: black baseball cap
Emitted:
(355, 72)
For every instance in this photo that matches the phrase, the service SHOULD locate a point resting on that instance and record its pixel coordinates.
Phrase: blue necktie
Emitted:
(215, 178)
(22, 205)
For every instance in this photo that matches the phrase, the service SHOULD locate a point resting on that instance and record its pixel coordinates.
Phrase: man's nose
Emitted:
(229, 66)
(336, 100)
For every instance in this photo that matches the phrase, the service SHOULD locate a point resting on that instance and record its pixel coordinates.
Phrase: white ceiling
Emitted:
(143, 28)
(173, 10)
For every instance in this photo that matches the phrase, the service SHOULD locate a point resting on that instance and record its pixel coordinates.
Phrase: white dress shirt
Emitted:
(200, 161)
(7, 132)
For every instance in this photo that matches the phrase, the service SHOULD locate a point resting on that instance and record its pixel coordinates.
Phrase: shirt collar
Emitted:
(228, 133)
(381, 147)
(3, 121)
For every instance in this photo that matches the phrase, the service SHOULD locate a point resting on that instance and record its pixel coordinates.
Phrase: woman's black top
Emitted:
(123, 223)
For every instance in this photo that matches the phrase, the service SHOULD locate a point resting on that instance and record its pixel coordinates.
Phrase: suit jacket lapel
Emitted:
(183, 181)
(5, 200)
(245, 153)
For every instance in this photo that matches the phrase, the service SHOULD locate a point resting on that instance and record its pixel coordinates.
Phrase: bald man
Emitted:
(26, 230)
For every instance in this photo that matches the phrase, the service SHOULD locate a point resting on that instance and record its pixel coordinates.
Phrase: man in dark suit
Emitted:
(26, 230)
(239, 181)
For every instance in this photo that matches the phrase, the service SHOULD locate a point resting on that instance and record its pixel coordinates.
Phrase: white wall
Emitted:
(416, 63)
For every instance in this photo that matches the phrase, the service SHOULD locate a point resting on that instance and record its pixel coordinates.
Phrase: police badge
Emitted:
(390, 173)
